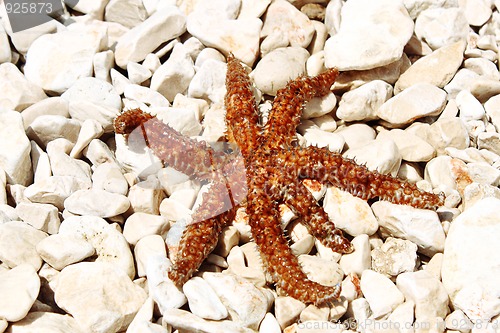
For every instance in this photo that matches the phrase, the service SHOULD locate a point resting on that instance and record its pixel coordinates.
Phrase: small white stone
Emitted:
(19, 288)
(111, 298)
(427, 292)
(349, 213)
(96, 202)
(269, 324)
(420, 100)
(359, 260)
(142, 320)
(209, 81)
(470, 108)
(118, 80)
(471, 283)
(203, 301)
(458, 321)
(17, 244)
(145, 248)
(411, 147)
(441, 26)
(5, 51)
(46, 322)
(108, 176)
(248, 303)
(63, 165)
(103, 62)
(16, 92)
(152, 62)
(482, 67)
(362, 103)
(57, 106)
(145, 95)
(381, 155)
(227, 240)
(46, 67)
(395, 256)
(146, 196)
(448, 132)
(489, 141)
(50, 127)
(380, 292)
(356, 135)
(492, 108)
(484, 173)
(314, 136)
(420, 226)
(174, 76)
(128, 13)
(477, 13)
(137, 73)
(62, 250)
(15, 149)
(319, 106)
(111, 247)
(287, 310)
(267, 74)
(90, 130)
(139, 225)
(165, 24)
(43, 217)
(371, 34)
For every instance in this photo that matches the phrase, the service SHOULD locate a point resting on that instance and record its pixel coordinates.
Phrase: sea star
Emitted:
(268, 172)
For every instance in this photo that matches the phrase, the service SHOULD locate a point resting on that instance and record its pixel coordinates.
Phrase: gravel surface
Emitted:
(87, 224)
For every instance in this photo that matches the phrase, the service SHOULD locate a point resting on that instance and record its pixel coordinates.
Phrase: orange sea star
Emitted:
(268, 172)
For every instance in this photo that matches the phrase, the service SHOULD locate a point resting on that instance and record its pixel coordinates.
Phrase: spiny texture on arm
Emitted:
(242, 117)
(288, 105)
(345, 174)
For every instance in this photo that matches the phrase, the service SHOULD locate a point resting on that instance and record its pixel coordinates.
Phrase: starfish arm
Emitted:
(242, 117)
(277, 255)
(302, 203)
(200, 238)
(356, 179)
(288, 105)
(194, 158)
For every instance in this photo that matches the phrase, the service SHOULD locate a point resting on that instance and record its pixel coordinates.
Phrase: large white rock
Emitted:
(420, 226)
(380, 292)
(139, 225)
(381, 155)
(203, 301)
(56, 61)
(165, 24)
(110, 245)
(44, 217)
(19, 288)
(470, 264)
(46, 128)
(411, 147)
(17, 93)
(209, 81)
(15, 149)
(96, 202)
(101, 297)
(55, 189)
(61, 250)
(17, 244)
(371, 34)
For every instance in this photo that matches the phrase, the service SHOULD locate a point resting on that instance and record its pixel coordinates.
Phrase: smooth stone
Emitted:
(56, 106)
(492, 108)
(138, 73)
(110, 246)
(319, 106)
(381, 155)
(240, 37)
(420, 100)
(475, 192)
(395, 256)
(139, 225)
(483, 67)
(411, 147)
(17, 244)
(349, 213)
(359, 260)
(437, 68)
(314, 136)
(283, 17)
(203, 301)
(420, 226)
(46, 128)
(267, 74)
(96, 202)
(128, 13)
(165, 24)
(427, 292)
(287, 310)
(441, 26)
(175, 74)
(490, 141)
(146, 197)
(362, 103)
(55, 189)
(483, 173)
(253, 8)
(209, 81)
(103, 62)
(448, 172)
(448, 132)
(62, 250)
(142, 320)
(380, 292)
(108, 176)
(371, 34)
(470, 108)
(462, 80)
(188, 322)
(5, 51)
(110, 300)
(145, 248)
(17, 93)
(90, 130)
(214, 123)
(19, 288)
(118, 80)
(43, 217)
(471, 283)
(269, 324)
(246, 303)
(145, 96)
(458, 321)
(55, 73)
(357, 135)
(164, 292)
(15, 149)
(45, 322)
(477, 13)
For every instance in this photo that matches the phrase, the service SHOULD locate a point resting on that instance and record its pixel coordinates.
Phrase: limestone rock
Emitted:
(380, 292)
(61, 250)
(17, 244)
(17, 93)
(96, 202)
